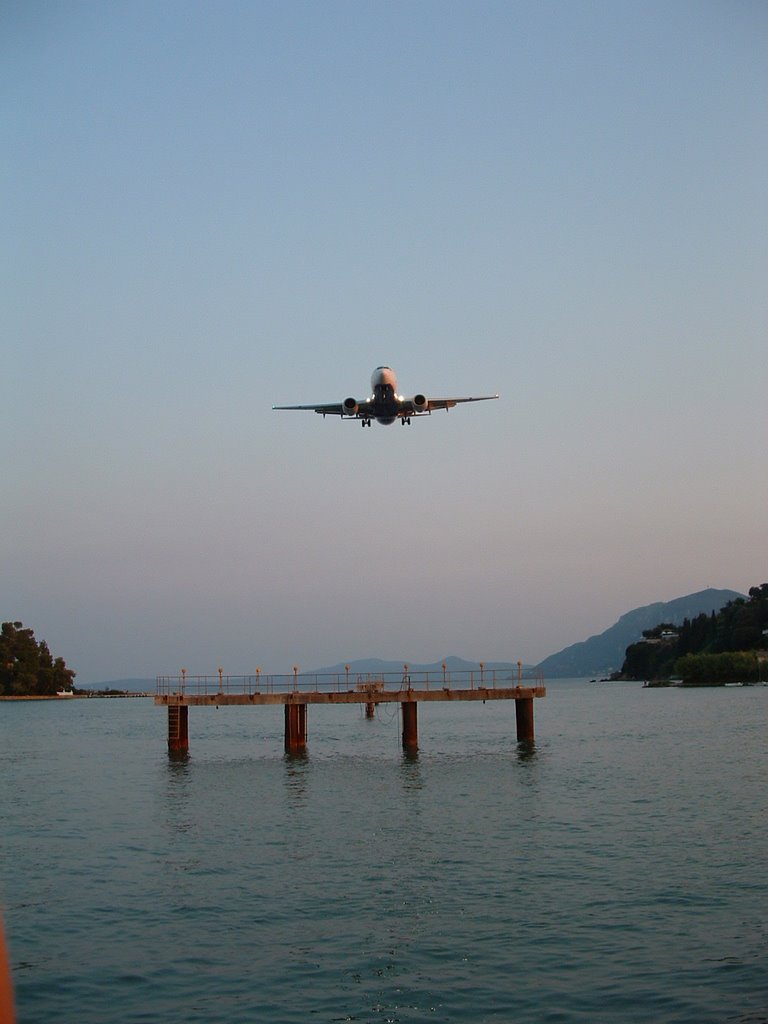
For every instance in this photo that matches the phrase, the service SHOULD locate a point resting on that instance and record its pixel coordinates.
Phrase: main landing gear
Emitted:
(404, 420)
(366, 423)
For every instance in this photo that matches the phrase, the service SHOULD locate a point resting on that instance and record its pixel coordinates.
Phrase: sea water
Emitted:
(616, 871)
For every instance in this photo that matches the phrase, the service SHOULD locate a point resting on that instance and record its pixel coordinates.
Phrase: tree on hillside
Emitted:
(740, 626)
(27, 667)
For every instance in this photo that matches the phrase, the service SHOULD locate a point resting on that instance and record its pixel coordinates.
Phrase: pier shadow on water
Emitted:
(410, 770)
(526, 751)
(297, 766)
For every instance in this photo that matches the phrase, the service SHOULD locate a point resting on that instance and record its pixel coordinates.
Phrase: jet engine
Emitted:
(349, 406)
(420, 403)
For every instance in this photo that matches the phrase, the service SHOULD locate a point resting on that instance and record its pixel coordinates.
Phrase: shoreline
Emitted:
(74, 696)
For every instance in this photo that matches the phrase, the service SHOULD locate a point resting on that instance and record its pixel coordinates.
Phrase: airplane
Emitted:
(385, 405)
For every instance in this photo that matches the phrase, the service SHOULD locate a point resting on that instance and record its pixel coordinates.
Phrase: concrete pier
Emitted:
(369, 688)
(295, 693)
(295, 728)
(178, 728)
(410, 726)
(524, 719)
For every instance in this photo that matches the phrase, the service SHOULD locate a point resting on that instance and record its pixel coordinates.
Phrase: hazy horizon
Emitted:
(214, 208)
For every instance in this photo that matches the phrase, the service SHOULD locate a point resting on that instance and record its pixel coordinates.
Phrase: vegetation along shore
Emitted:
(709, 650)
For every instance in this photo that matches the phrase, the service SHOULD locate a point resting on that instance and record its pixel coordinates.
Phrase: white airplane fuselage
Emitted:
(386, 402)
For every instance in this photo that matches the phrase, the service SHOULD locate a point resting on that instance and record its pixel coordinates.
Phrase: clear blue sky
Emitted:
(209, 208)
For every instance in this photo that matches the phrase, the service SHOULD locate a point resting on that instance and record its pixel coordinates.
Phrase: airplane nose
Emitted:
(383, 375)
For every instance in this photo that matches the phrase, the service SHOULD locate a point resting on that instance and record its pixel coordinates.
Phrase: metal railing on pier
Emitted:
(344, 682)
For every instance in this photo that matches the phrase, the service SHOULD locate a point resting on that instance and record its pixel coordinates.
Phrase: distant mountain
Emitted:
(372, 665)
(598, 655)
(604, 653)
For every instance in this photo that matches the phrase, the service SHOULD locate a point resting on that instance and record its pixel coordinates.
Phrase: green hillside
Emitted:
(716, 648)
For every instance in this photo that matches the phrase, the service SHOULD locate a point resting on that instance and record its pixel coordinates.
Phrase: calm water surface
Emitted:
(616, 872)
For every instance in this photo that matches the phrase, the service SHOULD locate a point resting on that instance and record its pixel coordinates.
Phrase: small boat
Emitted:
(64, 693)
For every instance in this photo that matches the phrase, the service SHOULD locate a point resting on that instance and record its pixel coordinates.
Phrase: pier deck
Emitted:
(296, 692)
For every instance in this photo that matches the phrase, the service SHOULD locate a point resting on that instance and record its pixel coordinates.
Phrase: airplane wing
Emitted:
(333, 409)
(326, 410)
(415, 406)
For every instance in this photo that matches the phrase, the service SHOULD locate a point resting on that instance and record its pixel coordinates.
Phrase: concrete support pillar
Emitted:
(295, 728)
(178, 728)
(524, 718)
(410, 726)
(370, 709)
